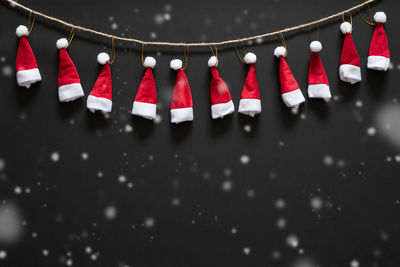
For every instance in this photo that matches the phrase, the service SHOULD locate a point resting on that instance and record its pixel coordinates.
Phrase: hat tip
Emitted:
(315, 46)
(280, 51)
(213, 62)
(250, 58)
(380, 17)
(103, 58)
(62, 43)
(346, 27)
(149, 62)
(175, 64)
(22, 30)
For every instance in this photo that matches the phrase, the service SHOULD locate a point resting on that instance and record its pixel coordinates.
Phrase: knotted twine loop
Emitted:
(142, 54)
(316, 29)
(71, 35)
(283, 41)
(215, 54)
(369, 20)
(31, 21)
(111, 61)
(186, 54)
(237, 52)
(351, 17)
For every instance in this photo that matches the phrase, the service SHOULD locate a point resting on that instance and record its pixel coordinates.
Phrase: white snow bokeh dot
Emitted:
(110, 212)
(244, 159)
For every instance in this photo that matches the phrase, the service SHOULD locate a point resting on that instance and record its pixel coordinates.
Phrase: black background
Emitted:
(323, 171)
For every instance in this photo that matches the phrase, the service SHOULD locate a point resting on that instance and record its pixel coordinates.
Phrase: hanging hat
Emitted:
(100, 98)
(221, 100)
(318, 86)
(69, 84)
(290, 90)
(145, 104)
(379, 55)
(349, 70)
(250, 102)
(26, 67)
(182, 104)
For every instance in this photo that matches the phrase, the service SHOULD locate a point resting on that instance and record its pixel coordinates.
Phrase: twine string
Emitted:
(31, 21)
(186, 54)
(111, 61)
(317, 31)
(71, 35)
(215, 54)
(214, 43)
(283, 41)
(369, 20)
(237, 52)
(142, 54)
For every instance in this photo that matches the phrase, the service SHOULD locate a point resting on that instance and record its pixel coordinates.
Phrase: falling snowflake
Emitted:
(328, 160)
(316, 203)
(110, 212)
(2, 164)
(55, 156)
(354, 263)
(149, 222)
(3, 254)
(84, 155)
(292, 241)
(246, 250)
(280, 204)
(371, 131)
(227, 185)
(244, 159)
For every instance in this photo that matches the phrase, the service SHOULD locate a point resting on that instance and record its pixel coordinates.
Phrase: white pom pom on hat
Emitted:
(22, 30)
(380, 17)
(280, 51)
(149, 62)
(62, 43)
(175, 64)
(250, 58)
(346, 27)
(315, 46)
(103, 58)
(213, 62)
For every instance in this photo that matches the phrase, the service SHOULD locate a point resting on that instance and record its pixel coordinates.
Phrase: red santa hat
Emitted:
(26, 68)
(379, 55)
(181, 104)
(221, 100)
(250, 101)
(100, 98)
(349, 70)
(69, 84)
(318, 86)
(290, 90)
(145, 104)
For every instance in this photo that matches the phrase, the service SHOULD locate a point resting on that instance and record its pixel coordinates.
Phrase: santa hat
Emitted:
(100, 98)
(145, 104)
(182, 104)
(250, 102)
(349, 70)
(221, 100)
(379, 55)
(290, 90)
(318, 86)
(26, 67)
(69, 84)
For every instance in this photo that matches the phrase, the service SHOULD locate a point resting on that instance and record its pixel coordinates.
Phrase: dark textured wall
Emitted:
(316, 188)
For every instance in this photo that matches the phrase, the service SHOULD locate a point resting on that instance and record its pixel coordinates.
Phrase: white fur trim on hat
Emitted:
(145, 110)
(378, 63)
(175, 64)
(250, 106)
(26, 78)
(62, 43)
(22, 30)
(70, 92)
(213, 62)
(149, 62)
(293, 98)
(181, 114)
(280, 51)
(315, 46)
(98, 103)
(380, 17)
(103, 58)
(350, 73)
(346, 27)
(222, 109)
(319, 91)
(250, 58)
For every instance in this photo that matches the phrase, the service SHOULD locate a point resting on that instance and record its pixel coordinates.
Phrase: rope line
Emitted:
(289, 29)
